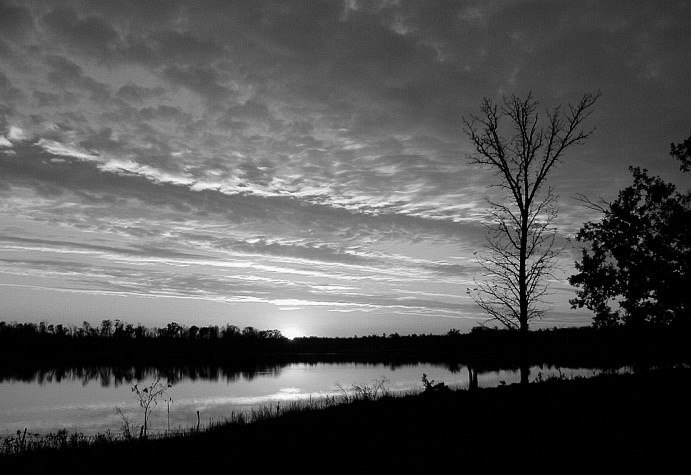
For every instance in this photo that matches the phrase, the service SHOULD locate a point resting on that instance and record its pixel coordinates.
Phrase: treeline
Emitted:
(491, 349)
(118, 343)
(119, 329)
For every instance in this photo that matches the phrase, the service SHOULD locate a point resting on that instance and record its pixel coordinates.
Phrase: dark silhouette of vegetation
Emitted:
(639, 255)
(120, 338)
(433, 386)
(521, 235)
(366, 392)
(682, 152)
(31, 352)
(149, 397)
(380, 430)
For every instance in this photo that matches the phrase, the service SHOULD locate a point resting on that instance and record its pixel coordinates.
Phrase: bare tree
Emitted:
(149, 398)
(522, 148)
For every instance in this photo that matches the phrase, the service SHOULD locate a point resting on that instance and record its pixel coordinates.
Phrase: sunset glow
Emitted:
(291, 333)
(301, 165)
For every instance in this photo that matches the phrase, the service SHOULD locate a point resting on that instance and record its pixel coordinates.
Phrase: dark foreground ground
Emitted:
(611, 423)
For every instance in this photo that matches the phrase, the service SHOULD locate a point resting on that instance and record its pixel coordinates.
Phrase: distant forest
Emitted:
(119, 343)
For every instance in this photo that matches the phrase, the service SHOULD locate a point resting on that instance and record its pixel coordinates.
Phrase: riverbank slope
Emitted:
(610, 422)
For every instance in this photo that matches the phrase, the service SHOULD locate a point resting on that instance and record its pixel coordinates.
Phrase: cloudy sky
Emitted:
(301, 165)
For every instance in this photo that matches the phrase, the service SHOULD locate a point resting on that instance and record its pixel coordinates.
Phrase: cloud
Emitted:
(184, 48)
(91, 35)
(101, 141)
(16, 21)
(67, 74)
(158, 272)
(8, 92)
(308, 145)
(46, 99)
(15, 134)
(98, 175)
(134, 93)
(202, 80)
(164, 112)
(238, 115)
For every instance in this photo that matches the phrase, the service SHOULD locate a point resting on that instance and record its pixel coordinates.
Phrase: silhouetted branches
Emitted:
(520, 229)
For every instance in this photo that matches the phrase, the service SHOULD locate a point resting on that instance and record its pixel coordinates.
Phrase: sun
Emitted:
(291, 332)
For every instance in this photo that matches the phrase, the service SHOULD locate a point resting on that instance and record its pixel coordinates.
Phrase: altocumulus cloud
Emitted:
(303, 156)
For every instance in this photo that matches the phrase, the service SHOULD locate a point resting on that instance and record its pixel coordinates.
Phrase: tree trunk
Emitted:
(525, 368)
(523, 289)
(472, 379)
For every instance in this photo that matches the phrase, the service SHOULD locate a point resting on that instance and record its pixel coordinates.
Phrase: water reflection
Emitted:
(128, 375)
(84, 398)
(119, 375)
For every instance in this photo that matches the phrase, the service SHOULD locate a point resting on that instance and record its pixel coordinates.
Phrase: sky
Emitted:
(302, 165)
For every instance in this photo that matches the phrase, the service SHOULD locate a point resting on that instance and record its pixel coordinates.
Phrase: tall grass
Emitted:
(25, 442)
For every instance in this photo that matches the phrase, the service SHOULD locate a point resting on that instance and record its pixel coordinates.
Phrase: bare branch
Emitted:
(521, 240)
(601, 205)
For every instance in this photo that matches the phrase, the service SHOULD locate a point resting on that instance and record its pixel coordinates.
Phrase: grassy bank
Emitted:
(606, 422)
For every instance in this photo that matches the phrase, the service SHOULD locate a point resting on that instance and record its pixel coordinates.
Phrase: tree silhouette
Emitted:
(639, 255)
(149, 397)
(682, 152)
(521, 148)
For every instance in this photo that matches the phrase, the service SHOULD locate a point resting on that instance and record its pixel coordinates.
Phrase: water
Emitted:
(85, 400)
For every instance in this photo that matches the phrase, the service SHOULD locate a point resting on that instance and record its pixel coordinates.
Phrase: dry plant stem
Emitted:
(149, 397)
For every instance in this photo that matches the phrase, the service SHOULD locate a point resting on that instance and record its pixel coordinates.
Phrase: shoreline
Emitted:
(483, 349)
(626, 419)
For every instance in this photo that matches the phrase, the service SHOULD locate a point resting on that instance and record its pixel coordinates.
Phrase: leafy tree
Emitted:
(639, 255)
(172, 330)
(231, 331)
(682, 152)
(106, 328)
(522, 148)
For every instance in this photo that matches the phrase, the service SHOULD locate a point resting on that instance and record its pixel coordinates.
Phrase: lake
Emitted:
(85, 399)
